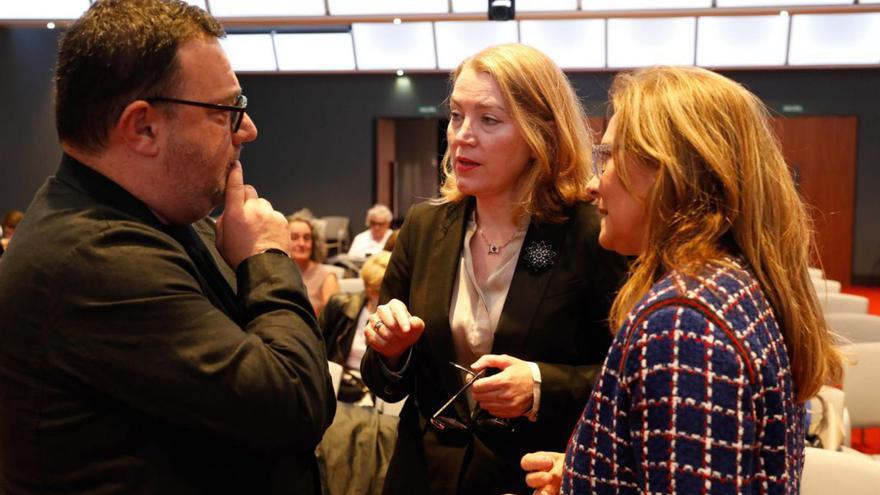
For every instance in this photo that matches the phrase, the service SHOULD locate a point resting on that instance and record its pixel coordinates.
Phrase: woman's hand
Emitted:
(391, 330)
(508, 394)
(545, 471)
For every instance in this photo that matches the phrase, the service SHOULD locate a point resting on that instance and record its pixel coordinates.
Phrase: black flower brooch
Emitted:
(539, 255)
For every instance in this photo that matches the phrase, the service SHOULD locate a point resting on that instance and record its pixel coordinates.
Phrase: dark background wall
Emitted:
(316, 132)
(27, 130)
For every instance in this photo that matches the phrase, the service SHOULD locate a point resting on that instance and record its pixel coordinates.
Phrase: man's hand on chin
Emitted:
(249, 225)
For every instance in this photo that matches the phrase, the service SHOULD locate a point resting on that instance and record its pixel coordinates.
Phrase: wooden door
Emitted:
(383, 171)
(822, 154)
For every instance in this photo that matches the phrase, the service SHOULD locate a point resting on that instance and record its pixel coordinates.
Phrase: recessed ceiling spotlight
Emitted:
(400, 72)
(50, 25)
(397, 20)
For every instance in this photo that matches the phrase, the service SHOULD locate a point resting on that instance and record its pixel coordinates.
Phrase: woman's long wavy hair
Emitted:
(722, 187)
(548, 114)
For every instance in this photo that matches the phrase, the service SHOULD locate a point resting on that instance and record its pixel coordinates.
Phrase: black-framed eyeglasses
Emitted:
(479, 417)
(601, 154)
(237, 111)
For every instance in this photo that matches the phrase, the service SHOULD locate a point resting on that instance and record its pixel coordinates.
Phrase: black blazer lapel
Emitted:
(526, 290)
(444, 259)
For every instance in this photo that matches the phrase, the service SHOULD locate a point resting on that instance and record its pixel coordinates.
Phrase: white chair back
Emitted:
(855, 328)
(828, 472)
(843, 303)
(828, 418)
(822, 285)
(351, 285)
(816, 272)
(336, 233)
(860, 388)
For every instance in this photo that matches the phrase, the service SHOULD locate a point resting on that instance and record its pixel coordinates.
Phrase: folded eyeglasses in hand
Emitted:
(479, 419)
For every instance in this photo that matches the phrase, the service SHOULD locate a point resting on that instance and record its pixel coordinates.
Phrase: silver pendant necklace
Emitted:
(495, 249)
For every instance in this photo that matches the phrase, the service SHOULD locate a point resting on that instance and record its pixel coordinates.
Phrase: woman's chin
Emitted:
(464, 188)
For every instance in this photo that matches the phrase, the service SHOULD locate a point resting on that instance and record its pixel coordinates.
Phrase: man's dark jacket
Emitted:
(129, 365)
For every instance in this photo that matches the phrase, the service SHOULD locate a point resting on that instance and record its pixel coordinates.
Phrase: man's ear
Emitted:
(139, 127)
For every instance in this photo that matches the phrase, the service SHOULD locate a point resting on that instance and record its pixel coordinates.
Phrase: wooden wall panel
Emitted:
(822, 153)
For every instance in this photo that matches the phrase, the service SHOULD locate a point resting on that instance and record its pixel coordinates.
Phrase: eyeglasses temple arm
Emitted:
(461, 391)
(462, 368)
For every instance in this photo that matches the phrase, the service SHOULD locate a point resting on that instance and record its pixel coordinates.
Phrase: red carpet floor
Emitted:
(867, 439)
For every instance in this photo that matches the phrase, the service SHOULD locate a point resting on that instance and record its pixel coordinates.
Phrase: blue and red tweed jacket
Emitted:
(695, 397)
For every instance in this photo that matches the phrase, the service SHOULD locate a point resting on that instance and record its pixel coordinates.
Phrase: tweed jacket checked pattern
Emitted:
(695, 396)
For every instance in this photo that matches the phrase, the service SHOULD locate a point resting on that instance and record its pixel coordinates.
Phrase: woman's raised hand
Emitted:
(391, 330)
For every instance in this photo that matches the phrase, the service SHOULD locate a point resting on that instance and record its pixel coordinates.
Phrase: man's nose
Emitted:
(247, 132)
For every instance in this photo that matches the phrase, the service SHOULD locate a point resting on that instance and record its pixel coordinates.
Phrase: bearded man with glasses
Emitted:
(137, 357)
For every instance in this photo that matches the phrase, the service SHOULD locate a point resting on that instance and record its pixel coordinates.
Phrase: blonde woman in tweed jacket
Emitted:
(720, 338)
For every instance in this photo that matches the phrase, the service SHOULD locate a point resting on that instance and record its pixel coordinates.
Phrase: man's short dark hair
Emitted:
(117, 52)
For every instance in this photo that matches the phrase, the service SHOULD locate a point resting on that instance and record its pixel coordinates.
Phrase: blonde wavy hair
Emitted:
(548, 114)
(722, 187)
(373, 270)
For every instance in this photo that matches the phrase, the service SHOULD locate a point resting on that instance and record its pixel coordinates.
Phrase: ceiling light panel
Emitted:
(572, 44)
(779, 3)
(390, 7)
(386, 46)
(267, 8)
(835, 39)
(42, 9)
(644, 4)
(198, 3)
(470, 6)
(482, 6)
(250, 52)
(544, 5)
(644, 42)
(729, 41)
(314, 51)
(458, 40)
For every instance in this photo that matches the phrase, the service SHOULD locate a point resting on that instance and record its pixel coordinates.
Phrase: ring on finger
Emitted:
(377, 324)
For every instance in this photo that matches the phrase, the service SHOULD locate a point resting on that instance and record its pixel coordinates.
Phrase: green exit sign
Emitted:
(793, 108)
(428, 110)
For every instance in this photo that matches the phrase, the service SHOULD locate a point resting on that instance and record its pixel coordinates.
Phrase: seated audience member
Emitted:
(128, 364)
(720, 339)
(373, 239)
(343, 321)
(308, 252)
(9, 223)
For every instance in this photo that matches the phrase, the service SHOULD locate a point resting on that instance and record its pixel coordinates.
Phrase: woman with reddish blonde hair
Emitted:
(720, 336)
(503, 274)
